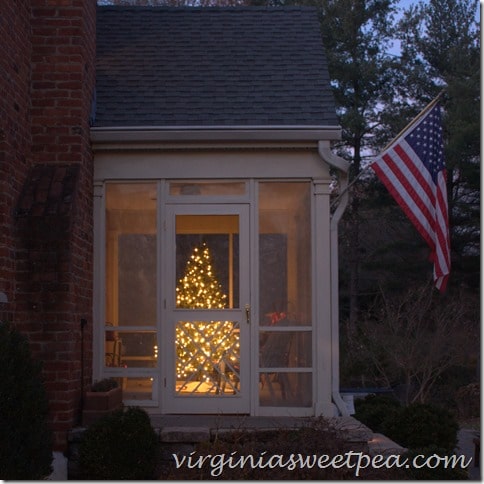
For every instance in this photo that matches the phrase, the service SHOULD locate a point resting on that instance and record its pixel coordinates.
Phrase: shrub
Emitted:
(25, 437)
(375, 410)
(121, 445)
(422, 425)
(468, 400)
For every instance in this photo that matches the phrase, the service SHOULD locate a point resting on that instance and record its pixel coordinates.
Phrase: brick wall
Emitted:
(47, 254)
(15, 134)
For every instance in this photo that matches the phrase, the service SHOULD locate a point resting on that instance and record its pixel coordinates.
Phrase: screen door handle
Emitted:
(247, 313)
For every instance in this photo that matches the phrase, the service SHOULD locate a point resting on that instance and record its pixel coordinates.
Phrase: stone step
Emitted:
(382, 445)
(184, 434)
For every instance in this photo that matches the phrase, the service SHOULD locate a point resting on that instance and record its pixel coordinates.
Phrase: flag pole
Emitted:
(355, 179)
(405, 129)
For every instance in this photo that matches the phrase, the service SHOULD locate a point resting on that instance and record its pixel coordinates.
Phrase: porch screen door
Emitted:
(206, 314)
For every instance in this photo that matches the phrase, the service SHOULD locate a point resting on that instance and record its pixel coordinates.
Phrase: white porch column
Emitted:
(322, 299)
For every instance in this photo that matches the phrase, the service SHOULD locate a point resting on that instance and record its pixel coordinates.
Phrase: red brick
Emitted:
(46, 44)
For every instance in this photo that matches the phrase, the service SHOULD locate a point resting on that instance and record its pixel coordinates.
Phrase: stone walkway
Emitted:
(189, 428)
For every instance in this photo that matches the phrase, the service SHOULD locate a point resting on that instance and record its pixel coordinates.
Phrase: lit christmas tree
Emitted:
(202, 345)
(199, 287)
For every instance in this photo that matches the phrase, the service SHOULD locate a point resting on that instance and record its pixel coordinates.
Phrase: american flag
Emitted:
(413, 170)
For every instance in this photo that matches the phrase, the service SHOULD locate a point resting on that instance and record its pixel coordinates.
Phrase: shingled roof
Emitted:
(233, 66)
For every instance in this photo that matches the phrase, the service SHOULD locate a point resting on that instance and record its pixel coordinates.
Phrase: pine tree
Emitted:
(357, 36)
(440, 42)
(201, 345)
(199, 287)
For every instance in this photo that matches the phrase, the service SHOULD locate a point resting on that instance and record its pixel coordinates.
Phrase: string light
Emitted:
(201, 345)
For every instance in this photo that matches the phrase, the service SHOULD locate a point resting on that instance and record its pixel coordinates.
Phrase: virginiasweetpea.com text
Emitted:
(357, 461)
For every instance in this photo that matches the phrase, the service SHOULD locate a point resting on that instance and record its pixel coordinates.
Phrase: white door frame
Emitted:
(172, 402)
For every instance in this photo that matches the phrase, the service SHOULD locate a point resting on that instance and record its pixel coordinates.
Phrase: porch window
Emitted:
(130, 339)
(204, 337)
(285, 333)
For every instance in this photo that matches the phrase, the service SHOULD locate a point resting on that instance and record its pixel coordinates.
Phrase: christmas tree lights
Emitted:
(202, 345)
(199, 288)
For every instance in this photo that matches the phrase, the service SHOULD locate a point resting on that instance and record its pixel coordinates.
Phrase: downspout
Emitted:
(343, 167)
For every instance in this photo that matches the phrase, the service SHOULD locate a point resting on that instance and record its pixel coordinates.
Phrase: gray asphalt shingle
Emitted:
(214, 66)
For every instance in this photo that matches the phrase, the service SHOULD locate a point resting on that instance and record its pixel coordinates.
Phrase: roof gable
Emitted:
(211, 67)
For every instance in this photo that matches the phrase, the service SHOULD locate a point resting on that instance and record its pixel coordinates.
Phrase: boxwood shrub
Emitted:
(120, 445)
(25, 436)
(375, 410)
(422, 425)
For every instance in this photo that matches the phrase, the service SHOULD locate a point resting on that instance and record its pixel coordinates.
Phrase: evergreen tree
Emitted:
(376, 96)
(357, 36)
(199, 287)
(201, 345)
(440, 42)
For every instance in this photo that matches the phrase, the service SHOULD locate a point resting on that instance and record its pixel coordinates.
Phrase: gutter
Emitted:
(163, 134)
(343, 166)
